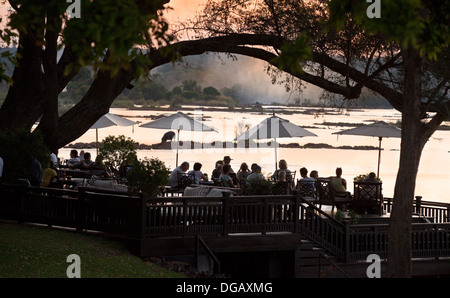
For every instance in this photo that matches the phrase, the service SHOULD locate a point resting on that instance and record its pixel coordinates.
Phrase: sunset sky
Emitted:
(183, 9)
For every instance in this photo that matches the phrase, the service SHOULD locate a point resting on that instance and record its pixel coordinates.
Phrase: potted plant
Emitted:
(148, 176)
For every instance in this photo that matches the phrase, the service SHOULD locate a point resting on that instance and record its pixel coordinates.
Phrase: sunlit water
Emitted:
(433, 180)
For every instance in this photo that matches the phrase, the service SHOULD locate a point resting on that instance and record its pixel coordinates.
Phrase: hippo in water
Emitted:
(168, 136)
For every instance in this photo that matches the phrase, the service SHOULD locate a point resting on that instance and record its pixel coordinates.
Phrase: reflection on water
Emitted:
(432, 181)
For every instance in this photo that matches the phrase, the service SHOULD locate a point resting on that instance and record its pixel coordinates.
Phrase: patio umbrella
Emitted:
(108, 120)
(378, 129)
(275, 127)
(178, 121)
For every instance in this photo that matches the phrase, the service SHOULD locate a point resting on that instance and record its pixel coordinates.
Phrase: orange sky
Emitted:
(184, 9)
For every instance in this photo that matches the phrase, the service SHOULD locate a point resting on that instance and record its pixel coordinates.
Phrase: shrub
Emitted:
(117, 151)
(14, 149)
(147, 176)
(259, 187)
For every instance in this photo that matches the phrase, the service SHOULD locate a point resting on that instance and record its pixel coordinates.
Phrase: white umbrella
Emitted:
(178, 121)
(378, 129)
(108, 120)
(275, 127)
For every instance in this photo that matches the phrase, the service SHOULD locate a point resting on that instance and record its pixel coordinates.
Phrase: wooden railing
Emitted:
(119, 215)
(139, 218)
(225, 215)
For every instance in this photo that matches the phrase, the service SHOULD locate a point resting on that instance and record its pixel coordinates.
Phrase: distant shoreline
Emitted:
(197, 145)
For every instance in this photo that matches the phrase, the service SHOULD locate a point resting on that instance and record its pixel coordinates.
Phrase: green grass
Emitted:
(34, 251)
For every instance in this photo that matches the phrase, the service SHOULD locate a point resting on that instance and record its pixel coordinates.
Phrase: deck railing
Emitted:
(225, 215)
(139, 218)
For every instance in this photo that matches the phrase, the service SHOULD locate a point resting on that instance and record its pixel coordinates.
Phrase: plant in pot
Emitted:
(147, 176)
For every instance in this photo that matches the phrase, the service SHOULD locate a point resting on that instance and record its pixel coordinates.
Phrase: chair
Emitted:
(184, 181)
(368, 197)
(293, 175)
(24, 182)
(326, 195)
(307, 190)
(281, 188)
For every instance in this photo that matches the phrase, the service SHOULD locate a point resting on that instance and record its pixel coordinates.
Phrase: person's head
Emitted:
(338, 172)
(372, 175)
(219, 162)
(219, 168)
(73, 153)
(282, 164)
(253, 166)
(258, 169)
(244, 167)
(184, 166)
(314, 174)
(197, 166)
(87, 156)
(303, 172)
(226, 159)
(82, 153)
(51, 165)
(226, 169)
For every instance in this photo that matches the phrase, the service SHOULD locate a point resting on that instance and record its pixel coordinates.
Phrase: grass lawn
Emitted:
(34, 251)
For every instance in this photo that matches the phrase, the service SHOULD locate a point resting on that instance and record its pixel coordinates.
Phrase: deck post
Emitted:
(418, 204)
(185, 215)
(142, 215)
(296, 213)
(79, 209)
(226, 210)
(347, 241)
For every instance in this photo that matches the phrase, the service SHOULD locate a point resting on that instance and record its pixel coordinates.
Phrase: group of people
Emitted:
(338, 183)
(224, 175)
(47, 175)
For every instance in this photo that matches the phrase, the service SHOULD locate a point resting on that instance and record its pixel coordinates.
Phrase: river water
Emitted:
(433, 180)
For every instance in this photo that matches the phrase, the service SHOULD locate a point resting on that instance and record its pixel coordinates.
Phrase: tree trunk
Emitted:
(22, 105)
(97, 101)
(49, 120)
(412, 142)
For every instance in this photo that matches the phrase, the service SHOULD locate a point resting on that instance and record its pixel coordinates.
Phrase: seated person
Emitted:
(371, 191)
(74, 160)
(371, 178)
(217, 170)
(282, 174)
(339, 184)
(180, 170)
(243, 172)
(50, 177)
(226, 161)
(35, 170)
(87, 162)
(314, 174)
(225, 177)
(255, 175)
(309, 181)
(197, 174)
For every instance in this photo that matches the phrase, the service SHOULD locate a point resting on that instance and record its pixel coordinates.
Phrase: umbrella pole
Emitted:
(96, 139)
(178, 143)
(379, 157)
(275, 143)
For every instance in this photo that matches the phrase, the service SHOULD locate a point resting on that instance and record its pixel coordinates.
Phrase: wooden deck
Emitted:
(173, 225)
